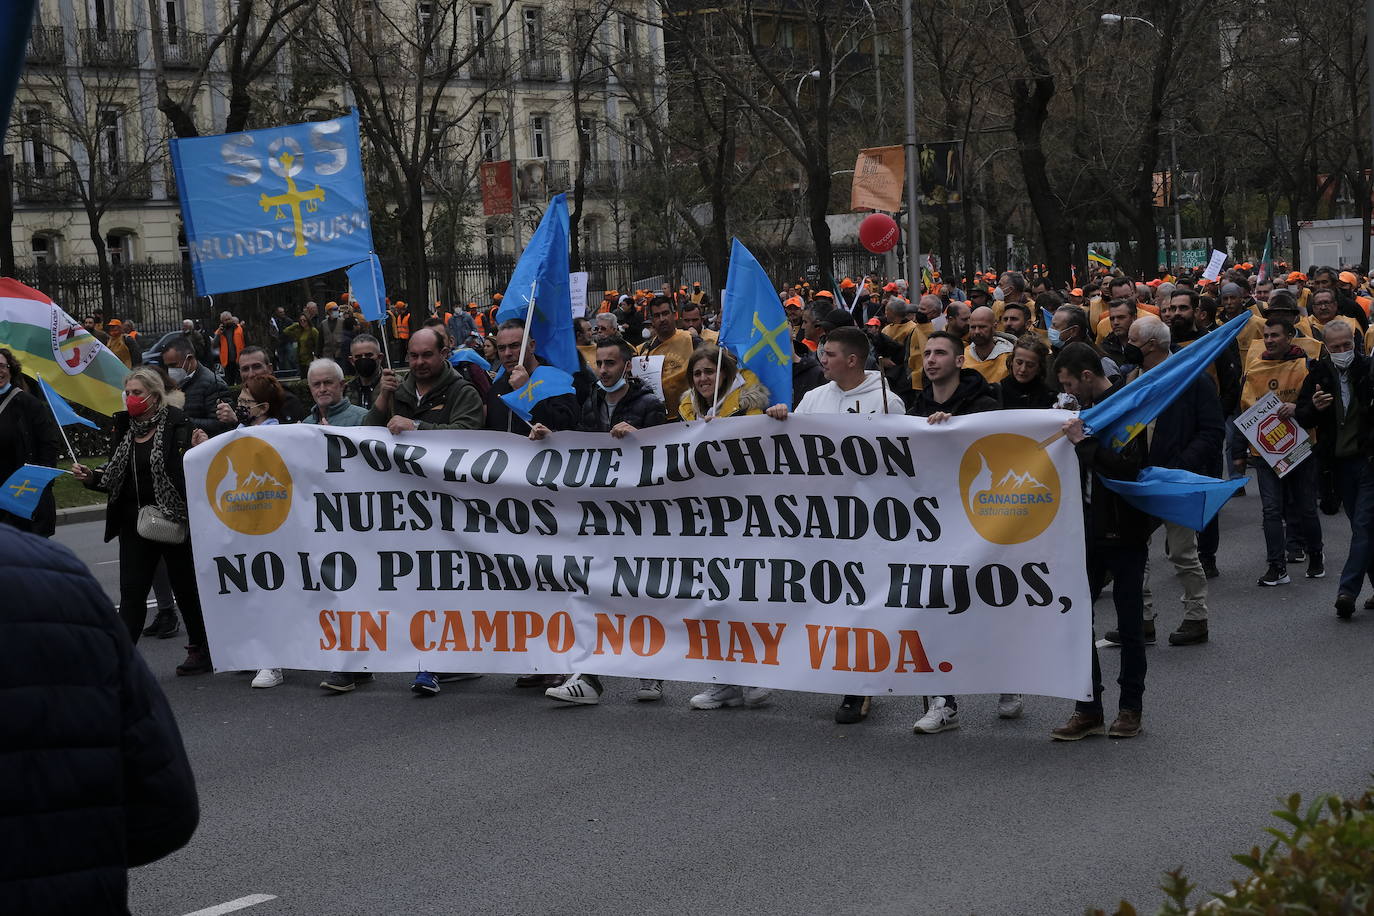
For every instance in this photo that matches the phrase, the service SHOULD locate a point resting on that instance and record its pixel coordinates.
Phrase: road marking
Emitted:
(106, 562)
(234, 905)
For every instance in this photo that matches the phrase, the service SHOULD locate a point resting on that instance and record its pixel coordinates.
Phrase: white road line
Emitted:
(106, 562)
(234, 905)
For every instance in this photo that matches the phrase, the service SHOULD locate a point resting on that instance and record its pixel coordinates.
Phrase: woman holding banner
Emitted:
(147, 508)
(738, 394)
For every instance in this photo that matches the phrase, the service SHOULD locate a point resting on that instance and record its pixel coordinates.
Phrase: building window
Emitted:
(171, 22)
(120, 248)
(481, 28)
(102, 16)
(493, 236)
(111, 140)
(425, 18)
(534, 31)
(370, 23)
(634, 151)
(539, 136)
(490, 138)
(629, 34)
(591, 234)
(44, 248)
(587, 128)
(438, 131)
(35, 140)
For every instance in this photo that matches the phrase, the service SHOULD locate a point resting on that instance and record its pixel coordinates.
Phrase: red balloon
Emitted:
(879, 233)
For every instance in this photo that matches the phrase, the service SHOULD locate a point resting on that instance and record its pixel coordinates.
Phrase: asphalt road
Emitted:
(489, 799)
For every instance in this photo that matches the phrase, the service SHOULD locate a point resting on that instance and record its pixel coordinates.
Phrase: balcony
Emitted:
(446, 176)
(636, 69)
(122, 181)
(46, 46)
(541, 68)
(183, 50)
(601, 174)
(113, 48)
(489, 63)
(45, 184)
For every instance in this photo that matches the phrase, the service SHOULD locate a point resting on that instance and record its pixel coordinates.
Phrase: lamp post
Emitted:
(813, 75)
(877, 73)
(913, 229)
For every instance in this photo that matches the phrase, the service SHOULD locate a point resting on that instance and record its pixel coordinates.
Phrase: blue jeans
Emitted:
(1355, 482)
(1299, 491)
(1126, 563)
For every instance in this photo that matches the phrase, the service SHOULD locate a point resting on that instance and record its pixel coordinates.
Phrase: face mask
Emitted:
(1055, 338)
(611, 389)
(135, 405)
(1133, 355)
(177, 375)
(365, 365)
(333, 313)
(644, 333)
(244, 414)
(1343, 360)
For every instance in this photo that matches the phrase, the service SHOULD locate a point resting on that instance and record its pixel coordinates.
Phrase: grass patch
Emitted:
(69, 493)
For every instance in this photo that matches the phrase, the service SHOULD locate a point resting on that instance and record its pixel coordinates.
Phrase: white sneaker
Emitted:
(575, 689)
(649, 690)
(718, 696)
(268, 677)
(940, 718)
(1009, 706)
(756, 696)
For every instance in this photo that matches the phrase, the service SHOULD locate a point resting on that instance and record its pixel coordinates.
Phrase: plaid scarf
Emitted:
(165, 495)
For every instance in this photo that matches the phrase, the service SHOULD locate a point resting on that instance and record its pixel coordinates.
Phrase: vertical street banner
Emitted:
(272, 205)
(879, 177)
(941, 173)
(850, 554)
(498, 192)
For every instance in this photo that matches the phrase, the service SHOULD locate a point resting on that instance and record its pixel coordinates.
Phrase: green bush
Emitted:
(1321, 862)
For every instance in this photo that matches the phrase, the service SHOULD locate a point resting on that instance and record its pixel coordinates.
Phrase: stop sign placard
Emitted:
(1276, 436)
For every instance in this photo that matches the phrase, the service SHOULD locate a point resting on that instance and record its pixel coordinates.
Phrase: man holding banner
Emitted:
(432, 396)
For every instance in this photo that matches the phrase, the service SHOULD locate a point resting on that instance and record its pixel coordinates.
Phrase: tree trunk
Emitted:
(946, 226)
(818, 205)
(410, 224)
(1147, 243)
(1295, 243)
(102, 258)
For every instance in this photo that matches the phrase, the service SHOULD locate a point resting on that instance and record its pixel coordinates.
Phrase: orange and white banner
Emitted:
(853, 554)
(879, 177)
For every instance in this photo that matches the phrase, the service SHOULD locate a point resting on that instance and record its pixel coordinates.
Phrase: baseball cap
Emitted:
(1348, 277)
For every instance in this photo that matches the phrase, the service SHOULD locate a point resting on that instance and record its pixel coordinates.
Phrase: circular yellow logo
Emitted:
(1009, 488)
(249, 487)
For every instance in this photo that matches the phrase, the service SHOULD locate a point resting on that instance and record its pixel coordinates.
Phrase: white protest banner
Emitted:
(1282, 443)
(855, 554)
(577, 288)
(649, 370)
(1214, 266)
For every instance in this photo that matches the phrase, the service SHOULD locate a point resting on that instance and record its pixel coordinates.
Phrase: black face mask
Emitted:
(1131, 353)
(365, 365)
(244, 414)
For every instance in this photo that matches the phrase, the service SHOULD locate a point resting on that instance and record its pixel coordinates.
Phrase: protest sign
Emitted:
(649, 370)
(577, 288)
(879, 176)
(1281, 442)
(848, 554)
(1214, 265)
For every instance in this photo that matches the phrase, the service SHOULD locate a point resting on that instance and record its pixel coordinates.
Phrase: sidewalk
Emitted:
(78, 514)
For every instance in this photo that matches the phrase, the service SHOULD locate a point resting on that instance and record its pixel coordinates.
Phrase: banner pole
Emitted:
(529, 316)
(377, 298)
(720, 358)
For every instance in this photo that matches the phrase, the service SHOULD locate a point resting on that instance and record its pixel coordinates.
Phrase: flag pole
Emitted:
(715, 398)
(70, 451)
(529, 316)
(377, 298)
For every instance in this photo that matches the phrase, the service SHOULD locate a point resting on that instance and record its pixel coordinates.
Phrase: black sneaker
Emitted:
(1345, 606)
(1316, 567)
(344, 681)
(165, 625)
(852, 709)
(1112, 638)
(1276, 575)
(1189, 633)
(1209, 569)
(1297, 555)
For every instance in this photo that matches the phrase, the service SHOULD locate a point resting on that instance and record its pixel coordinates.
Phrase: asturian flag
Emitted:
(53, 347)
(753, 325)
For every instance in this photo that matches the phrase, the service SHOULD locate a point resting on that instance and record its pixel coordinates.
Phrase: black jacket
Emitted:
(93, 775)
(1108, 518)
(121, 508)
(203, 391)
(806, 374)
(1227, 366)
(1189, 432)
(558, 412)
(1326, 422)
(1015, 396)
(974, 395)
(29, 435)
(638, 407)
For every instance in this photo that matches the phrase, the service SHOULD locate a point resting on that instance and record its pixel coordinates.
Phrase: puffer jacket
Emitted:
(638, 407)
(93, 775)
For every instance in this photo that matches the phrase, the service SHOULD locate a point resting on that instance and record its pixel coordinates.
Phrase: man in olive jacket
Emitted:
(432, 396)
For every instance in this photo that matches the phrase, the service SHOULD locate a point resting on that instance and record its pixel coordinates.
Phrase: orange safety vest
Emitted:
(994, 370)
(224, 350)
(1310, 345)
(1284, 377)
(400, 325)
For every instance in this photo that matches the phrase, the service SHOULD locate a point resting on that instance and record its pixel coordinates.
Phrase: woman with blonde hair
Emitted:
(739, 393)
(146, 508)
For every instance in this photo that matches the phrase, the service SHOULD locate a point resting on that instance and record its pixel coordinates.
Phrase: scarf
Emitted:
(165, 495)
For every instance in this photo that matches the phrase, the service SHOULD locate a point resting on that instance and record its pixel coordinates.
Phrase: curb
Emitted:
(78, 514)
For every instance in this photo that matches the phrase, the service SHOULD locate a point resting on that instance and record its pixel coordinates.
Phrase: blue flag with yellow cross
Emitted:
(753, 325)
(20, 494)
(545, 382)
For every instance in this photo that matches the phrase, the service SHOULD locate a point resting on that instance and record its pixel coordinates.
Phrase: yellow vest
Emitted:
(676, 351)
(916, 359)
(1284, 377)
(1252, 331)
(588, 352)
(1255, 354)
(994, 370)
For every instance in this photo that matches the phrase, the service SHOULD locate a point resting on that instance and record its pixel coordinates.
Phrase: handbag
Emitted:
(154, 524)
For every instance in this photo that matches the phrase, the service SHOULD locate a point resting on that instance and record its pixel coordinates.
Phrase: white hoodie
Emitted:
(866, 397)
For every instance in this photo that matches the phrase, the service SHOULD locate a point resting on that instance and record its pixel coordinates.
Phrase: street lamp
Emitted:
(813, 75)
(877, 73)
(1117, 19)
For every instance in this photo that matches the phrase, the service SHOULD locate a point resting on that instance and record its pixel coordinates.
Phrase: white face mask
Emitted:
(1343, 360)
(177, 375)
(611, 389)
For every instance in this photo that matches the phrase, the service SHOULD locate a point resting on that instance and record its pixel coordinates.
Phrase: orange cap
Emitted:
(114, 323)
(890, 288)
(826, 293)
(873, 322)
(1075, 292)
(1348, 277)
(846, 283)
(1296, 276)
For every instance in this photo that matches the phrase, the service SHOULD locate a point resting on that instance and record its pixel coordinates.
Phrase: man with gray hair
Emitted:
(605, 327)
(326, 381)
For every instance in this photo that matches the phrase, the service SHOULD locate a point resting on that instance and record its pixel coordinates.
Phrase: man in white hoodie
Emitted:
(850, 389)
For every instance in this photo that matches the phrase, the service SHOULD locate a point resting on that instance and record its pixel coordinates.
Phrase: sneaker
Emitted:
(938, 718)
(1345, 606)
(576, 689)
(344, 681)
(1209, 569)
(756, 696)
(1276, 575)
(1189, 633)
(1009, 706)
(649, 690)
(425, 684)
(451, 677)
(852, 709)
(268, 677)
(1112, 639)
(165, 625)
(197, 662)
(541, 681)
(1079, 726)
(1297, 555)
(718, 696)
(1127, 724)
(1316, 566)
